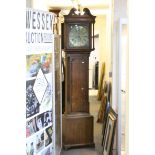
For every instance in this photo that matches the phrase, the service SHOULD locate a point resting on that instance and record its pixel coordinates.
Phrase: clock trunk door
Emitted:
(79, 84)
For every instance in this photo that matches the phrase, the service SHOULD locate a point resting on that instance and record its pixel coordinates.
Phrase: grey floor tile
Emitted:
(85, 151)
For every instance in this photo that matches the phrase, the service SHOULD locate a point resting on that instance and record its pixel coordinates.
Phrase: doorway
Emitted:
(123, 87)
(94, 64)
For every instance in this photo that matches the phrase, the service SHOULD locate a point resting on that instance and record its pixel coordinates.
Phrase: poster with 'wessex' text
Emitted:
(39, 82)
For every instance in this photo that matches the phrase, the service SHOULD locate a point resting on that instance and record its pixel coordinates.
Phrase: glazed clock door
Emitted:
(78, 36)
(79, 84)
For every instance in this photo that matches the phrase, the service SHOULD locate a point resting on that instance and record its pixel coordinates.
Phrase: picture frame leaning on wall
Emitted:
(108, 137)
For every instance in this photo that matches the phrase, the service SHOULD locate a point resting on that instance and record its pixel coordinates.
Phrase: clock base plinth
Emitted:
(77, 130)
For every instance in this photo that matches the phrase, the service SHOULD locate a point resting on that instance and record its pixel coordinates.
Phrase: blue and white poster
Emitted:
(39, 83)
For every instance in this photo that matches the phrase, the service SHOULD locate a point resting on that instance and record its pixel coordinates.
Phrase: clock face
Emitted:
(78, 36)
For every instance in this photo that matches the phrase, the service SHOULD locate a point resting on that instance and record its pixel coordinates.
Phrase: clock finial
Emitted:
(87, 12)
(72, 11)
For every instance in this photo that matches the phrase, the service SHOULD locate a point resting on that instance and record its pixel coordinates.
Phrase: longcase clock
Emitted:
(78, 42)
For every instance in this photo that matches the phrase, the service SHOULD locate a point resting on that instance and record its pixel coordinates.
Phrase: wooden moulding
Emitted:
(77, 130)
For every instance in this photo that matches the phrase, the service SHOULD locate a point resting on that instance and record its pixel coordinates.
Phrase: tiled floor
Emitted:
(84, 151)
(94, 107)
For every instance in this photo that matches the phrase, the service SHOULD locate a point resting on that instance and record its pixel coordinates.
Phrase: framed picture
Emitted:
(107, 108)
(108, 136)
(101, 81)
(102, 110)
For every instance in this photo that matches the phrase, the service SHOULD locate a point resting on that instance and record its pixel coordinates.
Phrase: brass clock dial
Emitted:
(78, 36)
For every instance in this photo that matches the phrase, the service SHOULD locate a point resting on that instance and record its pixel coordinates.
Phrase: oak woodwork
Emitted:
(77, 130)
(77, 123)
(77, 83)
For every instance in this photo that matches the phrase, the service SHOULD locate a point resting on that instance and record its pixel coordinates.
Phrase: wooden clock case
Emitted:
(77, 123)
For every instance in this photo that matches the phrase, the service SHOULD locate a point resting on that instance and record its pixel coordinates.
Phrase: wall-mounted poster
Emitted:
(48, 118)
(39, 122)
(30, 146)
(40, 102)
(48, 135)
(37, 61)
(46, 101)
(32, 103)
(39, 141)
(31, 127)
(47, 151)
(40, 85)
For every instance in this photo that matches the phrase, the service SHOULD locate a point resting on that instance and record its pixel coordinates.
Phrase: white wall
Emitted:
(100, 28)
(37, 4)
(119, 10)
(29, 3)
(12, 79)
(103, 28)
